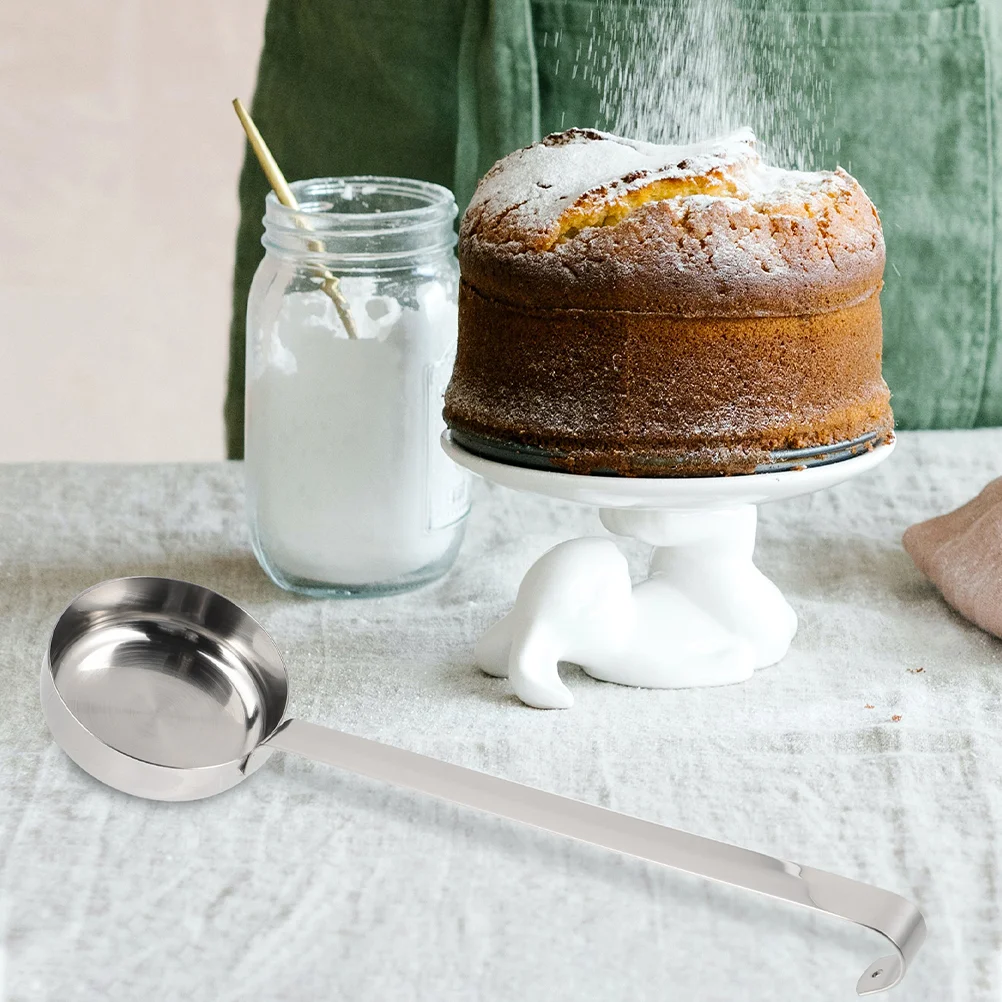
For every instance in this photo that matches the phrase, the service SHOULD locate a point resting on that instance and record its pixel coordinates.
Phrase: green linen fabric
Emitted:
(913, 109)
(499, 89)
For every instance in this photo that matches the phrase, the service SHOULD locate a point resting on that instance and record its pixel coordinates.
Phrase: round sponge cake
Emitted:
(644, 310)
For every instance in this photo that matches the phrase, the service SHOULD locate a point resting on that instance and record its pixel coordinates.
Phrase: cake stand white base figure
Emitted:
(706, 615)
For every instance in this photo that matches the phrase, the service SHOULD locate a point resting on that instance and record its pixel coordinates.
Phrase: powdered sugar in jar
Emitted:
(349, 492)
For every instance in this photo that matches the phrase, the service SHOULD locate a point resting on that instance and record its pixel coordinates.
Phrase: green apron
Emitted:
(440, 90)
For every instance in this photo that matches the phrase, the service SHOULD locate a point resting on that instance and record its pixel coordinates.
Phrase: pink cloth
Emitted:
(961, 553)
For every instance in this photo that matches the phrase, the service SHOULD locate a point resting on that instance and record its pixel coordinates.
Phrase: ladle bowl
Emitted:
(161, 688)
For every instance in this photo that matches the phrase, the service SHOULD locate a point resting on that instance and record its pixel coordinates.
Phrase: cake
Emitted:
(640, 310)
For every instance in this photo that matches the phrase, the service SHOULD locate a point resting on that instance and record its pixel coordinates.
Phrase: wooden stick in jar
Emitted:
(283, 193)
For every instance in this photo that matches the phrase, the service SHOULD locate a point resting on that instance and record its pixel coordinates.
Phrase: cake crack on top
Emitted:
(602, 207)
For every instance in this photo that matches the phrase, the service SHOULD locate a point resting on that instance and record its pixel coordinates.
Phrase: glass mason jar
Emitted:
(351, 338)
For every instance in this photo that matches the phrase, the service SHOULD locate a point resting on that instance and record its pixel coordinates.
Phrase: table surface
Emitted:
(308, 884)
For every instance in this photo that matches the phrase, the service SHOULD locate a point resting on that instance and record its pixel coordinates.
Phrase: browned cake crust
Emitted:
(685, 318)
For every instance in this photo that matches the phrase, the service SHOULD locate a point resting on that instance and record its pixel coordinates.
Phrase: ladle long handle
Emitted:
(895, 918)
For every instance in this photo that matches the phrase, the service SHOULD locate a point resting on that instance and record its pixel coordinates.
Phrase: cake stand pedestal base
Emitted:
(705, 615)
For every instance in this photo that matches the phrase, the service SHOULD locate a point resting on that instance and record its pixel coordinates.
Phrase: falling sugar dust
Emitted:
(678, 71)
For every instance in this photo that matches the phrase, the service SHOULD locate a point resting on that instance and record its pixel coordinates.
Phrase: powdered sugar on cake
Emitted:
(532, 196)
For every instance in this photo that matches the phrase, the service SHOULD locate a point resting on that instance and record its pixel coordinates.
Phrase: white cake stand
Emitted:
(705, 615)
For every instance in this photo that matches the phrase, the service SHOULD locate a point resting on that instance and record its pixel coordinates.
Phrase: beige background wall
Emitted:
(119, 156)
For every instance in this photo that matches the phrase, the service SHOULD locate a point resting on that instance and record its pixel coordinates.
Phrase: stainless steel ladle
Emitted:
(166, 690)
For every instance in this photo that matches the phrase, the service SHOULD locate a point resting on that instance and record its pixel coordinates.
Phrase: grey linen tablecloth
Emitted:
(308, 884)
